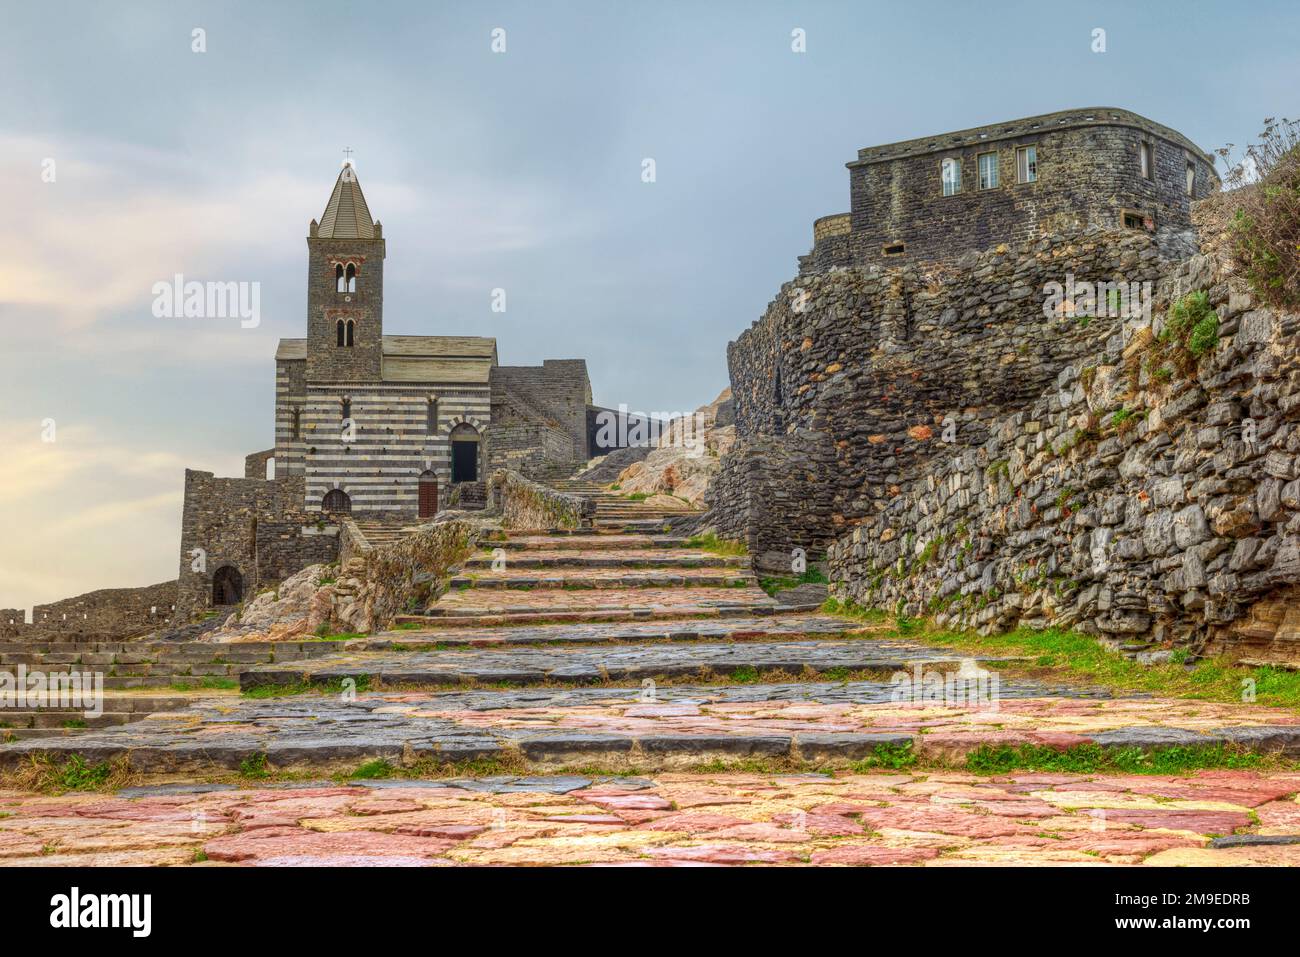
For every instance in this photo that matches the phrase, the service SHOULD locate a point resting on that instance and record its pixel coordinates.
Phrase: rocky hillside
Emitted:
(687, 457)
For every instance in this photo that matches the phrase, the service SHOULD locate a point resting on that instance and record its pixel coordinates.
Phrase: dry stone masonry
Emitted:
(1125, 501)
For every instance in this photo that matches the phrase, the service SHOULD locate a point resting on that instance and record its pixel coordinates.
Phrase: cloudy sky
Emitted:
(519, 170)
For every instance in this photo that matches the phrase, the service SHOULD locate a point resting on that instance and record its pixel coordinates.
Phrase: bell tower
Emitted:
(345, 288)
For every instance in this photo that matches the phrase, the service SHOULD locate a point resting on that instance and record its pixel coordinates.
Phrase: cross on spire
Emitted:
(347, 155)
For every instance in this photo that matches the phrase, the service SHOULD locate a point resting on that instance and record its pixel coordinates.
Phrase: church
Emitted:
(384, 429)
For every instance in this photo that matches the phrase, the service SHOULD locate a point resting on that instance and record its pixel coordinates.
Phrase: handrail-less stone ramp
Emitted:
(693, 707)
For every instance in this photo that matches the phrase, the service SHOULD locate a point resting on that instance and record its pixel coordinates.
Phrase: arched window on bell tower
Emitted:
(351, 333)
(352, 277)
(340, 333)
(339, 285)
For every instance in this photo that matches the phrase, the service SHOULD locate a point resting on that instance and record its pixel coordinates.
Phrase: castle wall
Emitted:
(539, 452)
(108, 614)
(258, 527)
(1088, 173)
(558, 392)
(874, 363)
(1177, 520)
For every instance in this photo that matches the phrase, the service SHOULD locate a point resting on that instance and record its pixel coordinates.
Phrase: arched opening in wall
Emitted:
(352, 277)
(270, 469)
(227, 586)
(340, 333)
(428, 494)
(352, 331)
(339, 285)
(336, 500)
(464, 453)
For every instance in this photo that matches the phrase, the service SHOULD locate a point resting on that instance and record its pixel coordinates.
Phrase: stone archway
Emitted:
(464, 453)
(336, 500)
(227, 586)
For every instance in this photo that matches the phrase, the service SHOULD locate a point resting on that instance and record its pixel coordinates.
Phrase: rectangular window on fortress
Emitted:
(1191, 177)
(988, 167)
(950, 171)
(1027, 164)
(1145, 159)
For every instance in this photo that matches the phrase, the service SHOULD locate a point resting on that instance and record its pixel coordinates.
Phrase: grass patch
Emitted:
(1094, 759)
(372, 770)
(254, 766)
(895, 757)
(718, 546)
(210, 683)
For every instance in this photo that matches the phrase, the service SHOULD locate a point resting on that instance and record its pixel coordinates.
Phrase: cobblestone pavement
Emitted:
(1214, 818)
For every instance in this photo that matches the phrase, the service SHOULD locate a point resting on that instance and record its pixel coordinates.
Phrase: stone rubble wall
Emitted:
(522, 503)
(1178, 523)
(259, 527)
(379, 584)
(843, 385)
(108, 614)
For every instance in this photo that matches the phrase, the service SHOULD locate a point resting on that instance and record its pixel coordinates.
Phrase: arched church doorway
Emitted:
(464, 453)
(227, 586)
(428, 495)
(336, 500)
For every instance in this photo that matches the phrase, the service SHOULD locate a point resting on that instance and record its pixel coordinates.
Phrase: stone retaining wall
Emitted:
(525, 504)
(1126, 502)
(875, 362)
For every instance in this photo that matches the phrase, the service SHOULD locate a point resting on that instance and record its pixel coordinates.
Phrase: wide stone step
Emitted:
(689, 630)
(607, 578)
(661, 726)
(472, 601)
(515, 618)
(612, 542)
(586, 665)
(616, 558)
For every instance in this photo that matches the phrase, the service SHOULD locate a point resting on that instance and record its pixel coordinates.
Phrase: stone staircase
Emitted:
(615, 508)
(614, 647)
(384, 531)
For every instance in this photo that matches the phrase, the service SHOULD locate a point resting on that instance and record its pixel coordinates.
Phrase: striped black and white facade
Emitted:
(375, 416)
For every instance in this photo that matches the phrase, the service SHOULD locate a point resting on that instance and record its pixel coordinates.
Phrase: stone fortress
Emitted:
(913, 408)
(935, 198)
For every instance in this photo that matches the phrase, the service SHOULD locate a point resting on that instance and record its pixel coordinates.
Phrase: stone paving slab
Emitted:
(622, 557)
(473, 601)
(584, 665)
(659, 727)
(586, 542)
(720, 629)
(877, 819)
(606, 578)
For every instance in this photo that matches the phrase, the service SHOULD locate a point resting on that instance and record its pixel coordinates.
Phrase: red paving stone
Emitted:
(881, 819)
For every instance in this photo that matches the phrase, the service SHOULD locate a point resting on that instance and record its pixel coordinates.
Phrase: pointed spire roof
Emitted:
(346, 215)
